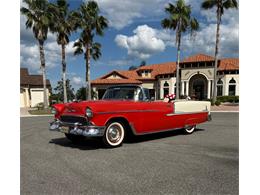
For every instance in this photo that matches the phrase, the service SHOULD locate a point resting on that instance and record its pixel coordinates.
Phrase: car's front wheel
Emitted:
(114, 134)
(189, 129)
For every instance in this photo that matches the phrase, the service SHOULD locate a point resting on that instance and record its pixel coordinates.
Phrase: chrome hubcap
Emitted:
(114, 133)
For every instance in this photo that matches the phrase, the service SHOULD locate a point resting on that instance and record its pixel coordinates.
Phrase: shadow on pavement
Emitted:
(88, 144)
(94, 144)
(155, 136)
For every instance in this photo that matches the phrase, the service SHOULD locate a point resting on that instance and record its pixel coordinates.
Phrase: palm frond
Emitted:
(230, 4)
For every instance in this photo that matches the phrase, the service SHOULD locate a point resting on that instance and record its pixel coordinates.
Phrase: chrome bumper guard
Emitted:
(77, 129)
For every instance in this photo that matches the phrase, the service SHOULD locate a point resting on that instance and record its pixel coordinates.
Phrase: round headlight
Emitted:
(54, 111)
(89, 113)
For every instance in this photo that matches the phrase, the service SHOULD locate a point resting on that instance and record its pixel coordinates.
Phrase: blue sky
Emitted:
(134, 34)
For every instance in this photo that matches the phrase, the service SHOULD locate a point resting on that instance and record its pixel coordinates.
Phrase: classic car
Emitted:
(126, 110)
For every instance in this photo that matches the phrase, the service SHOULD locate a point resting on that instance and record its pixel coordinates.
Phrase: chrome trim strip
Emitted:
(152, 132)
(127, 111)
(182, 113)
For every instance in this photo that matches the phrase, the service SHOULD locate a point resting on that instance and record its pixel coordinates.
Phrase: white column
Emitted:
(209, 88)
(187, 88)
(182, 88)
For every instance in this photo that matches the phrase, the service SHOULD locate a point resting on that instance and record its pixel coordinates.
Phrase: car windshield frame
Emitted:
(132, 93)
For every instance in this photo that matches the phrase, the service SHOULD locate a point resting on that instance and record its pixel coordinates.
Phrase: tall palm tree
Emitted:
(63, 26)
(220, 5)
(88, 19)
(179, 20)
(38, 19)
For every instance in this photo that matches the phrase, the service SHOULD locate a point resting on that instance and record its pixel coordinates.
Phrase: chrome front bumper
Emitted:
(77, 129)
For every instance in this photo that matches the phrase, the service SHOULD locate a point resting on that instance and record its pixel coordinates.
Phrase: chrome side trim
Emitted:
(127, 111)
(152, 132)
(182, 113)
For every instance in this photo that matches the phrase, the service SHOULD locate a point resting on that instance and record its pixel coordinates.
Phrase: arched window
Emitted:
(232, 87)
(165, 89)
(219, 87)
(174, 88)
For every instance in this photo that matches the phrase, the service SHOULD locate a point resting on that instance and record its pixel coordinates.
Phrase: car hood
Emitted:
(95, 106)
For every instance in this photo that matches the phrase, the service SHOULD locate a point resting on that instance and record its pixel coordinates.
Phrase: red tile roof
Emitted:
(198, 58)
(31, 80)
(229, 64)
(134, 77)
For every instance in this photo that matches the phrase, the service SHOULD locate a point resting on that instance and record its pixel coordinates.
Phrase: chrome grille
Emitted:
(74, 119)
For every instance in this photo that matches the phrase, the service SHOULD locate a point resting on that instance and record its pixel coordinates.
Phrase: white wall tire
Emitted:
(114, 134)
(190, 129)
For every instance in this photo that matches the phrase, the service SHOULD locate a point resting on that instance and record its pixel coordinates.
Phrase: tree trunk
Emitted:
(88, 89)
(42, 59)
(214, 96)
(64, 73)
(178, 66)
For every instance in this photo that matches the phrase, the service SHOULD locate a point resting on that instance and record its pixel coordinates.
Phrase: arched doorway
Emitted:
(198, 87)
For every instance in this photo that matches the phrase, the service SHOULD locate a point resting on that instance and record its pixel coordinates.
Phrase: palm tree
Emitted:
(88, 19)
(220, 5)
(63, 26)
(179, 20)
(38, 19)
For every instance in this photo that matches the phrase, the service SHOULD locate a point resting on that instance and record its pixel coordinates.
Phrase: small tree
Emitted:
(143, 63)
(59, 92)
(132, 68)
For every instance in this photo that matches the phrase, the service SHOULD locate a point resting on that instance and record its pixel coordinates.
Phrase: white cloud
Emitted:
(76, 80)
(145, 42)
(205, 38)
(123, 13)
(29, 54)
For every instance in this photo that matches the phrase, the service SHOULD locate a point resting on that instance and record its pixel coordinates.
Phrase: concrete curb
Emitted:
(225, 111)
(35, 115)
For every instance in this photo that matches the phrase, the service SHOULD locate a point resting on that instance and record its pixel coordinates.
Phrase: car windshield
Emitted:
(127, 93)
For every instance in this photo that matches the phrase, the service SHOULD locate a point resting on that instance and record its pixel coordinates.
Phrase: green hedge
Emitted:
(231, 99)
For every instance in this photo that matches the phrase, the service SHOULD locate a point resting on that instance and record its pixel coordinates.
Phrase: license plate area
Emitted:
(64, 129)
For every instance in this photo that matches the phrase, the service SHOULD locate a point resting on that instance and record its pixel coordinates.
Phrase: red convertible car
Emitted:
(126, 109)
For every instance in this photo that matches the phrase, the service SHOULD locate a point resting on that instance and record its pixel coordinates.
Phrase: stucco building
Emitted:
(196, 78)
(31, 89)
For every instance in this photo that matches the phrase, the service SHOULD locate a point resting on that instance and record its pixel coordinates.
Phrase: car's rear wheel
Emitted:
(75, 138)
(189, 129)
(114, 134)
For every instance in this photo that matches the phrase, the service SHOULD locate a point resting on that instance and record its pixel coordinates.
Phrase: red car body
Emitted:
(142, 117)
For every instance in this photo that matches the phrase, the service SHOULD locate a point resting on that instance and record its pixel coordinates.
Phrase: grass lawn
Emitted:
(40, 112)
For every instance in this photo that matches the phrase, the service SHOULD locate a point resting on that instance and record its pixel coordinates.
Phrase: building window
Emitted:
(165, 89)
(232, 87)
(146, 73)
(219, 87)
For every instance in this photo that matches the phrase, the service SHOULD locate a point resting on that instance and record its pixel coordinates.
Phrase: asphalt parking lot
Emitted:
(205, 162)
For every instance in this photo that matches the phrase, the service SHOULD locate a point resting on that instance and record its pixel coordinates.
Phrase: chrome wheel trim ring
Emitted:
(115, 134)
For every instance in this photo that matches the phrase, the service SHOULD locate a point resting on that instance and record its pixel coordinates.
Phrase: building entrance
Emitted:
(198, 87)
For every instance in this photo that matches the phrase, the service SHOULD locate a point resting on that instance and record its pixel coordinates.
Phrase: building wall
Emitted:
(36, 97)
(171, 81)
(186, 74)
(226, 78)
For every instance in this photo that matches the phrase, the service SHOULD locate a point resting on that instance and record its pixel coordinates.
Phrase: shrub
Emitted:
(40, 106)
(217, 103)
(230, 99)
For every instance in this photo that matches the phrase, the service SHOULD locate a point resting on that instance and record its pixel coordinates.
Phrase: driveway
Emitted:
(205, 162)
